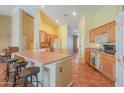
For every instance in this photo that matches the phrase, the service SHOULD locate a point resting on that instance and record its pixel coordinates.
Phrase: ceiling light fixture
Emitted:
(57, 21)
(74, 13)
(42, 6)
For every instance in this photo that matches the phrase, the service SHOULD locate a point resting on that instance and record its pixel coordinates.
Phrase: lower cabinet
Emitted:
(107, 66)
(87, 56)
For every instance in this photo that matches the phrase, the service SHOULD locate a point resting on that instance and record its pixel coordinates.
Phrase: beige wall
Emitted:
(63, 35)
(70, 42)
(104, 15)
(5, 29)
(16, 28)
(82, 28)
(46, 24)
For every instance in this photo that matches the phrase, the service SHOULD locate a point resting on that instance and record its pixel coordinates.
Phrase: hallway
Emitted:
(86, 76)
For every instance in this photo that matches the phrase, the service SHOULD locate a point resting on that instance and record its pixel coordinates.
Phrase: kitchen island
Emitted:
(55, 68)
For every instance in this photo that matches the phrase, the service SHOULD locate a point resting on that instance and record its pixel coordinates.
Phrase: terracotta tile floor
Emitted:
(83, 76)
(86, 76)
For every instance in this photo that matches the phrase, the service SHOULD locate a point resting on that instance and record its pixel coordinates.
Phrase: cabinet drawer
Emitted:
(108, 58)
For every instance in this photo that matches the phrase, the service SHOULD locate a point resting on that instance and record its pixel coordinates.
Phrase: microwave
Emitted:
(110, 49)
(101, 38)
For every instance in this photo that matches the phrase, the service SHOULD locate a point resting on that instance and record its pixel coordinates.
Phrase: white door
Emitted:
(120, 50)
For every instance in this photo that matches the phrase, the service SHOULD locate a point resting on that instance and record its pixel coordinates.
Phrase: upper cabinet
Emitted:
(111, 32)
(108, 29)
(44, 37)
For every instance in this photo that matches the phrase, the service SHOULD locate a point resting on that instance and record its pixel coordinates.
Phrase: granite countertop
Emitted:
(101, 52)
(42, 57)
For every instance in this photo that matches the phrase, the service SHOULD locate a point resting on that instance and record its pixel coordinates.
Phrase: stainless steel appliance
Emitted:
(56, 45)
(110, 49)
(95, 60)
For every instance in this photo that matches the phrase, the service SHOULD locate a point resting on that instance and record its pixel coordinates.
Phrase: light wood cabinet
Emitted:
(108, 29)
(103, 29)
(43, 36)
(107, 66)
(87, 56)
(111, 32)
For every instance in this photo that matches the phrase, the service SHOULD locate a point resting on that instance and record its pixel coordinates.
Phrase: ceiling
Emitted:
(6, 9)
(63, 13)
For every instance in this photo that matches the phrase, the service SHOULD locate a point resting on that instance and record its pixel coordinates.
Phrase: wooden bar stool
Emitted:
(8, 63)
(17, 66)
(29, 72)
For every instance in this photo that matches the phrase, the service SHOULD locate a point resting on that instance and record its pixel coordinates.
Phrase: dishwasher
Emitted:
(95, 60)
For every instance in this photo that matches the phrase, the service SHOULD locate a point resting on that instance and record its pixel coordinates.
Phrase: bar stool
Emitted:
(29, 72)
(8, 63)
(17, 66)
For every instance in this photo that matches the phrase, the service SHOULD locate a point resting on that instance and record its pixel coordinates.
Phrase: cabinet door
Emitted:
(111, 32)
(92, 36)
(108, 69)
(103, 29)
(87, 56)
(43, 36)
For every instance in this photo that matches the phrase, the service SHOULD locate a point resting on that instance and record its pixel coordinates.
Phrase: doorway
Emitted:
(75, 44)
(27, 31)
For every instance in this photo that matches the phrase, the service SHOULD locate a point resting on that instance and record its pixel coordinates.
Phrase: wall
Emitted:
(82, 29)
(104, 15)
(16, 28)
(70, 42)
(63, 35)
(46, 24)
(5, 29)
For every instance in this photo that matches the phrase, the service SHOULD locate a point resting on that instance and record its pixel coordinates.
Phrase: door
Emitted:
(120, 50)
(75, 43)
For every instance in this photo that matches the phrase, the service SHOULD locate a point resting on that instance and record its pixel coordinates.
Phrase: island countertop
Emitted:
(42, 57)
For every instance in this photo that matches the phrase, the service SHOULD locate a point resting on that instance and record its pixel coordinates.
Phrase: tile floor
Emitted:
(83, 76)
(86, 76)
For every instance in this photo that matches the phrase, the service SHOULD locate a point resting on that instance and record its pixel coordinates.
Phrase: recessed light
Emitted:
(74, 13)
(42, 6)
(57, 21)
